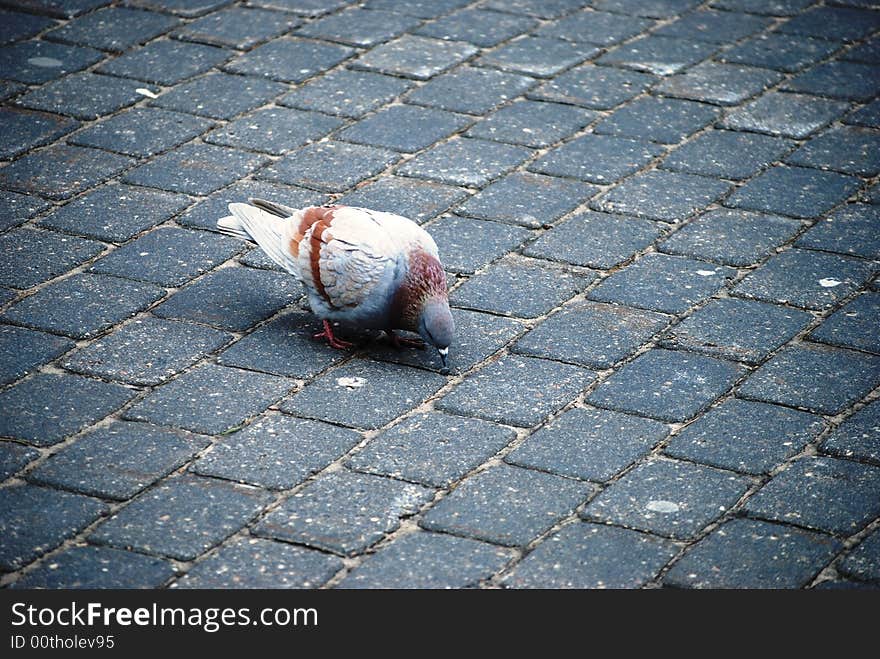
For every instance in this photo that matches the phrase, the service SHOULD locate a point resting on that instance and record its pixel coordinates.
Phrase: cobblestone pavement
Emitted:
(661, 228)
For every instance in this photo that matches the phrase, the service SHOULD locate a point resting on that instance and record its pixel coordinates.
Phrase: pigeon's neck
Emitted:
(424, 280)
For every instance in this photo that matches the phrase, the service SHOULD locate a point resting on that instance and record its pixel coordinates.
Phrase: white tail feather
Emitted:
(263, 228)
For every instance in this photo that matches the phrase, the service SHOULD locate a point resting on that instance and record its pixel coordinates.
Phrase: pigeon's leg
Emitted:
(332, 341)
(403, 341)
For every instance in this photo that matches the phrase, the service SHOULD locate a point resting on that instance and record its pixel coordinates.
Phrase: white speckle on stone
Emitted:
(705, 273)
(143, 91)
(351, 383)
(661, 506)
(829, 283)
(45, 62)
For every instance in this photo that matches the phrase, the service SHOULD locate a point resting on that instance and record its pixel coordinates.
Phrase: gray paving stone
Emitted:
(428, 560)
(529, 199)
(854, 325)
(591, 334)
(597, 158)
(115, 213)
(91, 567)
(516, 390)
(346, 93)
(31, 257)
(237, 27)
(539, 8)
(146, 351)
(600, 28)
(8, 89)
(532, 124)
(344, 512)
(745, 436)
(468, 244)
(405, 128)
(744, 553)
(166, 62)
(795, 191)
(588, 443)
(329, 166)
(272, 59)
(739, 330)
(647, 8)
(6, 295)
(364, 394)
(847, 490)
(864, 561)
(413, 198)
(526, 288)
(465, 161)
(310, 8)
(669, 497)
(584, 555)
(538, 56)
(35, 62)
(804, 278)
(596, 87)
(851, 81)
(506, 505)
(670, 284)
(187, 8)
(24, 130)
(61, 171)
(15, 208)
(119, 460)
(14, 457)
(772, 8)
(415, 57)
(274, 130)
(220, 95)
(815, 377)
(847, 149)
(867, 115)
(114, 28)
(36, 519)
(844, 584)
(433, 448)
(257, 563)
(727, 154)
(661, 195)
(470, 90)
(856, 437)
(477, 26)
(868, 51)
(59, 8)
(183, 517)
(788, 115)
(276, 451)
(418, 8)
(210, 399)
(83, 305)
(722, 84)
(663, 120)
(360, 27)
(82, 95)
(732, 237)
(23, 350)
(783, 52)
(841, 23)
(718, 27)
(659, 55)
(18, 26)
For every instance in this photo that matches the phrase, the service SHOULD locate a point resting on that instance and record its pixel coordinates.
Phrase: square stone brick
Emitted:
(344, 512)
(31, 257)
(539, 8)
(36, 520)
(647, 8)
(165, 62)
(671, 284)
(114, 28)
(739, 330)
(528, 199)
(795, 191)
(220, 95)
(591, 334)
(364, 394)
(851, 81)
(856, 437)
(428, 560)
(722, 84)
(477, 26)
(867, 115)
(584, 555)
(415, 57)
(16, 208)
(210, 399)
(788, 115)
(257, 563)
(661, 195)
(672, 498)
(433, 448)
(273, 59)
(664, 120)
(470, 90)
(183, 517)
(360, 27)
(744, 553)
(329, 166)
(588, 443)
(61, 171)
(864, 561)
(24, 130)
(659, 55)
(732, 237)
(18, 26)
(506, 505)
(119, 460)
(15, 457)
(815, 377)
(745, 436)
(346, 93)
(532, 124)
(526, 288)
(83, 305)
(310, 8)
(804, 278)
(60, 8)
(839, 23)
(146, 351)
(854, 325)
(186, 8)
(465, 161)
(466, 244)
(600, 28)
(538, 56)
(596, 87)
(115, 213)
(847, 490)
(405, 128)
(845, 149)
(8, 89)
(35, 62)
(274, 130)
(597, 158)
(413, 198)
(772, 8)
(196, 169)
(276, 451)
(869, 52)
(515, 390)
(718, 27)
(727, 154)
(83, 95)
(237, 27)
(418, 8)
(783, 52)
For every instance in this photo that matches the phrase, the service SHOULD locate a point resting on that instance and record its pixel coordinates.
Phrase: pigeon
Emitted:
(368, 268)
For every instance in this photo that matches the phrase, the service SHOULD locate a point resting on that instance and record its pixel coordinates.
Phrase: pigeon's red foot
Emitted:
(404, 341)
(332, 341)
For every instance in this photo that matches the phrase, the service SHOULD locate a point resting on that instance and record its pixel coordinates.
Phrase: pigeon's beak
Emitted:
(444, 359)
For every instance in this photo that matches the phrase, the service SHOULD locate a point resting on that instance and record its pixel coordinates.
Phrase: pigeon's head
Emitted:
(437, 327)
